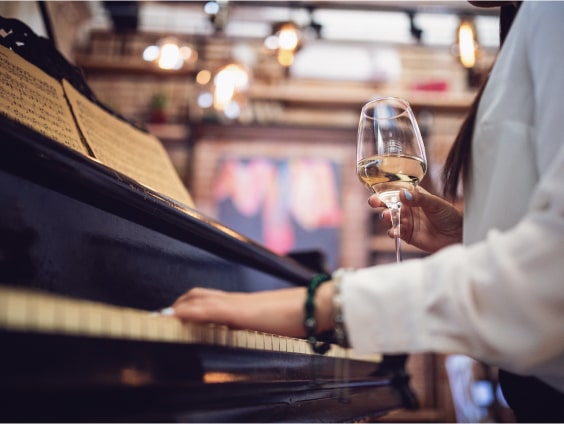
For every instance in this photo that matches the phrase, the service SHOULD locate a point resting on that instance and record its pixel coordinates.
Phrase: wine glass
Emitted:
(390, 153)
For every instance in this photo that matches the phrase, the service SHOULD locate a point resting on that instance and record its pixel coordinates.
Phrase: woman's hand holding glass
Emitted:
(390, 153)
(428, 222)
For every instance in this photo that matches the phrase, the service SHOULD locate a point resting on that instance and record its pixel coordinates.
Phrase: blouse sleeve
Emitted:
(500, 300)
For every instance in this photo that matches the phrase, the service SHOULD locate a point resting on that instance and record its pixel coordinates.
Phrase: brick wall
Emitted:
(282, 142)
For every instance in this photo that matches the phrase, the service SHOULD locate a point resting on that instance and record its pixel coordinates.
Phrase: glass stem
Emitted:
(395, 209)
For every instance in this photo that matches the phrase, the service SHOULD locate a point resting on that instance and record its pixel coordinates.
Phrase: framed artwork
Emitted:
(287, 204)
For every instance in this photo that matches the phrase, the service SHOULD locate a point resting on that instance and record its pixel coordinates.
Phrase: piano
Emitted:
(86, 257)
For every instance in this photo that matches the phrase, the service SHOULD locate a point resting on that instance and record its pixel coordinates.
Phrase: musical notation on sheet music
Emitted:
(32, 97)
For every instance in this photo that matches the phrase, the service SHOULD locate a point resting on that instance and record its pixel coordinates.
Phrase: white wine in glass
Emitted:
(390, 153)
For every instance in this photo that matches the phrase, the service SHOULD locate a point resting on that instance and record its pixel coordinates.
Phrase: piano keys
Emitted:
(35, 311)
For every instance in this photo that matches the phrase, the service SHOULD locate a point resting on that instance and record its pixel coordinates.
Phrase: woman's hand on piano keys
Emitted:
(276, 311)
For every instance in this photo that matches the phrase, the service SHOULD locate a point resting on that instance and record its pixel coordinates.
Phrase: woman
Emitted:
(499, 297)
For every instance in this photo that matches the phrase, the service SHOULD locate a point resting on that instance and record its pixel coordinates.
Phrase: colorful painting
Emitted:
(288, 205)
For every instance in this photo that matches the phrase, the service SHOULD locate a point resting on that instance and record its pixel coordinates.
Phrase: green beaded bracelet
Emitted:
(340, 333)
(310, 322)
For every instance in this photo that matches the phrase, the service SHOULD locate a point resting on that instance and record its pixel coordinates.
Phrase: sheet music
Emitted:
(32, 97)
(125, 148)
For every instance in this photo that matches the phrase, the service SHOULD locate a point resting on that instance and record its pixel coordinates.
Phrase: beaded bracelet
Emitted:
(339, 321)
(310, 322)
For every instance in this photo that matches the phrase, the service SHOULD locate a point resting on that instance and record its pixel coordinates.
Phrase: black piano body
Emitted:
(74, 227)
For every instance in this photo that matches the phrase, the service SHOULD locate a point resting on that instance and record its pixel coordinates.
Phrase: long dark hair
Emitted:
(458, 160)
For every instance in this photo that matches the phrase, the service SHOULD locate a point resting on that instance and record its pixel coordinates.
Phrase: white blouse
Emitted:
(500, 297)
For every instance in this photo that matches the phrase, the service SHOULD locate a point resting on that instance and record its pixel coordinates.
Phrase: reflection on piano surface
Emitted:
(86, 253)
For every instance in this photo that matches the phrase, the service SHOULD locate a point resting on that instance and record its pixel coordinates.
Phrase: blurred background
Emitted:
(257, 104)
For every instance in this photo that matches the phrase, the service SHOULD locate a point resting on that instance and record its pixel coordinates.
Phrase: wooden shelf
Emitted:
(310, 94)
(355, 95)
(125, 65)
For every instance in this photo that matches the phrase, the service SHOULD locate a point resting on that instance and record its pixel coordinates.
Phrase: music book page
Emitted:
(35, 99)
(128, 150)
(32, 97)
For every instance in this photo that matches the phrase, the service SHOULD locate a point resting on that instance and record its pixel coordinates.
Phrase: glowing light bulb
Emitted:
(170, 57)
(288, 38)
(466, 45)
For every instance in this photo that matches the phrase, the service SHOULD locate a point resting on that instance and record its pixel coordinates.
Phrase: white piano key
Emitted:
(221, 336)
(283, 344)
(95, 322)
(71, 314)
(268, 342)
(16, 311)
(276, 343)
(251, 340)
(259, 341)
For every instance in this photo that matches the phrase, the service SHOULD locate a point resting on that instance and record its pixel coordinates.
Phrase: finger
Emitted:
(385, 216)
(193, 310)
(198, 292)
(420, 197)
(204, 309)
(406, 196)
(405, 233)
(375, 202)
